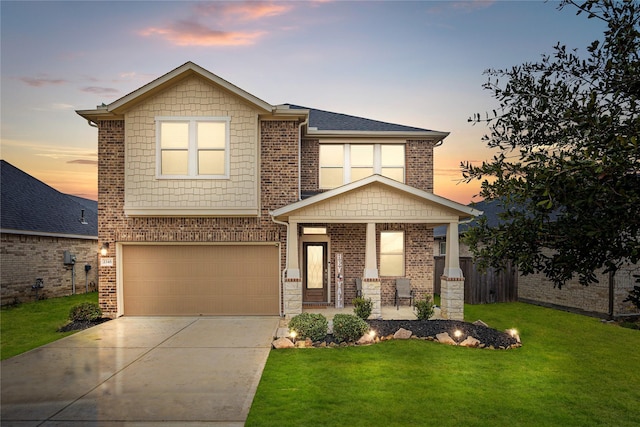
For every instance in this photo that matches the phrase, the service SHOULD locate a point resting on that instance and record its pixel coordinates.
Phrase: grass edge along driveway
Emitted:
(33, 324)
(572, 370)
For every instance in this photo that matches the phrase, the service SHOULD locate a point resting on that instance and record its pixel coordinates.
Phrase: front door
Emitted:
(315, 272)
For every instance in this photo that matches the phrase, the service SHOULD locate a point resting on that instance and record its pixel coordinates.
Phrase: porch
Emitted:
(404, 312)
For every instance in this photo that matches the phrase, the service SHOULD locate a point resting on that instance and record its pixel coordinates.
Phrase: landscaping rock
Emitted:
(282, 342)
(402, 334)
(470, 342)
(480, 323)
(445, 338)
(365, 339)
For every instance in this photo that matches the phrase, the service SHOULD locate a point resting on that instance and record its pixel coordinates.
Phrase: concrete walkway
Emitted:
(141, 371)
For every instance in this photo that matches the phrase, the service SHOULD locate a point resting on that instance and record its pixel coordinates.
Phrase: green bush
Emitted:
(362, 307)
(424, 308)
(348, 327)
(85, 312)
(309, 325)
(634, 294)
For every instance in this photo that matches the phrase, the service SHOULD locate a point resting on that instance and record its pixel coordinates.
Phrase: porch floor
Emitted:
(389, 312)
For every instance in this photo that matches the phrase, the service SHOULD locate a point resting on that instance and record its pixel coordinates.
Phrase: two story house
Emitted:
(214, 202)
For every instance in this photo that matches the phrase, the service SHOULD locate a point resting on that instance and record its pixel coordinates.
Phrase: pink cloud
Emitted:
(245, 11)
(41, 81)
(100, 90)
(191, 33)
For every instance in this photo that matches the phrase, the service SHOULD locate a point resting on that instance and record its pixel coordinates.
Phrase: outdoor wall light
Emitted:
(105, 249)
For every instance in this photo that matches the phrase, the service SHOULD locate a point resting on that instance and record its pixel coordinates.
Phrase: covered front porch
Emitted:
(358, 239)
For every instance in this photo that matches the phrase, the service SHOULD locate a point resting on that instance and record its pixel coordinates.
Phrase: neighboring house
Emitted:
(604, 298)
(38, 224)
(214, 202)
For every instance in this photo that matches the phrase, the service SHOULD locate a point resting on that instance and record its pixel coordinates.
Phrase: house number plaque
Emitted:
(339, 281)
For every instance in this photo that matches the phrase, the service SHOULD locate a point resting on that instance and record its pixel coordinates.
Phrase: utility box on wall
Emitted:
(69, 258)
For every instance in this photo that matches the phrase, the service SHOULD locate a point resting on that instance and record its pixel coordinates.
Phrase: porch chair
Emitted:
(403, 290)
(358, 287)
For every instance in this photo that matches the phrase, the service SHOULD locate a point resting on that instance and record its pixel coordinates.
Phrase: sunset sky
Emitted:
(417, 63)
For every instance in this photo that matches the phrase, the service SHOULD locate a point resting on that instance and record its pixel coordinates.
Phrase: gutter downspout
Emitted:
(306, 121)
(286, 263)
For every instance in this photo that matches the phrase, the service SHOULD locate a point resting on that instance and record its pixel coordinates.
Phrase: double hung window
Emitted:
(192, 147)
(392, 253)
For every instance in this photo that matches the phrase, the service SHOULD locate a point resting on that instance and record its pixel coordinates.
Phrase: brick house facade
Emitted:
(241, 236)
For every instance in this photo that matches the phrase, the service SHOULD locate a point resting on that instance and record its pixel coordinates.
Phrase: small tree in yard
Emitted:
(567, 170)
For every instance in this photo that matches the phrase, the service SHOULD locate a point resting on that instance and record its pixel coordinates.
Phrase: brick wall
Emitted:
(25, 258)
(350, 240)
(309, 163)
(279, 187)
(593, 298)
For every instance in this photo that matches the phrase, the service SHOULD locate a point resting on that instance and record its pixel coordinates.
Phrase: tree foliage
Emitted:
(567, 171)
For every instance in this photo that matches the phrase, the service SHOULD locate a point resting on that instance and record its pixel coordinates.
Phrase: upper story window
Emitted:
(192, 147)
(342, 164)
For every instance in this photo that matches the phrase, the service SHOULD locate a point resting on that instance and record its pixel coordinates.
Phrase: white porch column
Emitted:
(293, 267)
(292, 286)
(371, 282)
(370, 265)
(452, 253)
(452, 280)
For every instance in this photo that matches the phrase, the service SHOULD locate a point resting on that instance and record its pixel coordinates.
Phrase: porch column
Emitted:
(370, 265)
(452, 280)
(292, 292)
(371, 281)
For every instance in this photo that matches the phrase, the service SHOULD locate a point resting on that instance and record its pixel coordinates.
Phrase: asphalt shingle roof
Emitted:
(28, 204)
(326, 120)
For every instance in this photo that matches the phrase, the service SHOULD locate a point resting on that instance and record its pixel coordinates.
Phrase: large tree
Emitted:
(567, 168)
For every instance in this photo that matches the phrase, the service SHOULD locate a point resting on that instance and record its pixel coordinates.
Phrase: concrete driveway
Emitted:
(141, 371)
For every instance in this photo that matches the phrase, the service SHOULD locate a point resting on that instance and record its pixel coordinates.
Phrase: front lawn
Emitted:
(32, 324)
(571, 371)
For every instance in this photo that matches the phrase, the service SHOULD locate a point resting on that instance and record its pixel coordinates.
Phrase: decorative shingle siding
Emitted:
(279, 167)
(192, 97)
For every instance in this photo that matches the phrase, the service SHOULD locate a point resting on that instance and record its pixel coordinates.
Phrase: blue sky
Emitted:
(417, 63)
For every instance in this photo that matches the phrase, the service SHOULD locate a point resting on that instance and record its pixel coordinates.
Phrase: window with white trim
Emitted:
(392, 253)
(192, 147)
(344, 163)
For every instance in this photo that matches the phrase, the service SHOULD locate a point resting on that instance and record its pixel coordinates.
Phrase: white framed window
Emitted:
(443, 248)
(192, 147)
(344, 163)
(392, 253)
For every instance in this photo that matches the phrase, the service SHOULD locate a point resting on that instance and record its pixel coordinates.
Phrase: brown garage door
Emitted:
(200, 280)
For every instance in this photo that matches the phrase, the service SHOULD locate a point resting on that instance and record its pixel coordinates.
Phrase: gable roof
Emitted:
(458, 209)
(31, 206)
(328, 123)
(119, 106)
(321, 123)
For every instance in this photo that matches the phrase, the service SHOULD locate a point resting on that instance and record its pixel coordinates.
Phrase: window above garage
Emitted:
(192, 147)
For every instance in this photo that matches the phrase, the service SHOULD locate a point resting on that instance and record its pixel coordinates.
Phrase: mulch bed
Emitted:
(430, 328)
(78, 326)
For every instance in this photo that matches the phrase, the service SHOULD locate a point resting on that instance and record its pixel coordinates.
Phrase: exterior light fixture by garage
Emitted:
(105, 249)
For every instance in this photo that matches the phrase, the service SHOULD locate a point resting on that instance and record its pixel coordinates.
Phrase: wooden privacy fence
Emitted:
(482, 288)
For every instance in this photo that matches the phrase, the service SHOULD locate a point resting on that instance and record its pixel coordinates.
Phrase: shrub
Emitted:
(309, 325)
(85, 312)
(362, 307)
(348, 327)
(424, 308)
(634, 294)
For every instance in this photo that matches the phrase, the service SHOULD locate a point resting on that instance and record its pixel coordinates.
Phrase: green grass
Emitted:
(571, 371)
(32, 324)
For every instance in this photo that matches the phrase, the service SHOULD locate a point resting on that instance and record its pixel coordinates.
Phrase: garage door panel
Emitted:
(200, 280)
